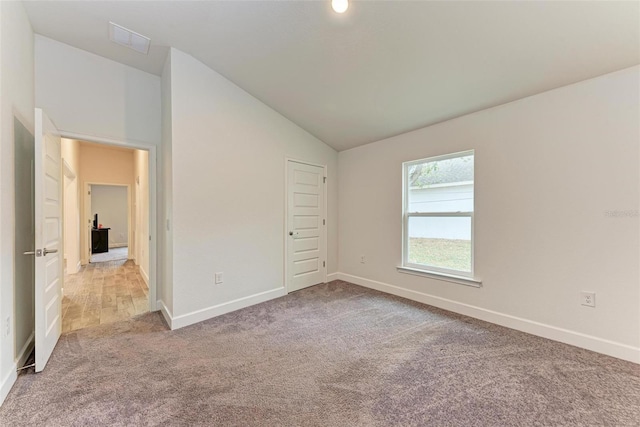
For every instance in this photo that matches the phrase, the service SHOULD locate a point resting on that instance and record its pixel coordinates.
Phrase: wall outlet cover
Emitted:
(219, 278)
(588, 299)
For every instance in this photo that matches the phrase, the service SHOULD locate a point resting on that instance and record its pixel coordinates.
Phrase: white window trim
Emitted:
(467, 281)
(455, 276)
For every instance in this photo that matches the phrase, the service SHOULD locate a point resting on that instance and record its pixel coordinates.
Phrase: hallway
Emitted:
(103, 292)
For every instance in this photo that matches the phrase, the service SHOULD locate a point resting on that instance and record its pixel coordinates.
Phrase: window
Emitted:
(438, 214)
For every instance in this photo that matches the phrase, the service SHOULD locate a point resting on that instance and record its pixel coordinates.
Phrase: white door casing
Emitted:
(306, 246)
(88, 220)
(48, 238)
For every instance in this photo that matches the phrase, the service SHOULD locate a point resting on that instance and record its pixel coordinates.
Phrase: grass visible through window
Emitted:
(443, 253)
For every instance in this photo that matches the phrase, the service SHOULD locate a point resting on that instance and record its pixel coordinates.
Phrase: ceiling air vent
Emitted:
(122, 36)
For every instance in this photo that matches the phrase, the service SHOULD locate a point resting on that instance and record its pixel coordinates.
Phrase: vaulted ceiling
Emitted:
(382, 68)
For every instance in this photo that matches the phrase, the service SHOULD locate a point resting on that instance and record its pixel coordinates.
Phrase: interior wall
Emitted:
(16, 102)
(111, 203)
(102, 164)
(228, 181)
(71, 155)
(165, 196)
(556, 199)
(87, 94)
(141, 191)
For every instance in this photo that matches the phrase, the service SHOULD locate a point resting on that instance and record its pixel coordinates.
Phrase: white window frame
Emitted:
(406, 215)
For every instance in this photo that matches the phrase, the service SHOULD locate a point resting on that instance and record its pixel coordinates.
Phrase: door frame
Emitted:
(153, 207)
(130, 214)
(286, 218)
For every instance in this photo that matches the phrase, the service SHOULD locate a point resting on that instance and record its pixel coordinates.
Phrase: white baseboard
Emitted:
(73, 269)
(7, 382)
(10, 379)
(166, 313)
(145, 276)
(227, 307)
(589, 342)
(118, 245)
(25, 351)
(331, 277)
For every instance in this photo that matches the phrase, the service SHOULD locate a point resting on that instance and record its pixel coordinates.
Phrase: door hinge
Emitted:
(324, 179)
(323, 263)
(324, 222)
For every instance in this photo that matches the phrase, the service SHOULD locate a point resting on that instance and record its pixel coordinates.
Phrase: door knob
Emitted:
(46, 251)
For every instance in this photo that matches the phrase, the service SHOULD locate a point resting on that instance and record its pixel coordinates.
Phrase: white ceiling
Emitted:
(381, 69)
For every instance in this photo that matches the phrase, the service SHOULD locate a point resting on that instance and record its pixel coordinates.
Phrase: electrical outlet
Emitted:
(363, 259)
(219, 278)
(588, 299)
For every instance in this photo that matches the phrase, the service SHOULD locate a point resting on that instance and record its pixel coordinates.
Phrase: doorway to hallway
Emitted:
(111, 282)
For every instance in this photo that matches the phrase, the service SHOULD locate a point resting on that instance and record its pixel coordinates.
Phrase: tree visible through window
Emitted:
(438, 214)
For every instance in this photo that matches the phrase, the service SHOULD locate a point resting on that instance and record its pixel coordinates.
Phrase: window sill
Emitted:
(467, 281)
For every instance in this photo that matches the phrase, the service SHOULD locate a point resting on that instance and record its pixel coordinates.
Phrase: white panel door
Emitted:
(48, 244)
(306, 238)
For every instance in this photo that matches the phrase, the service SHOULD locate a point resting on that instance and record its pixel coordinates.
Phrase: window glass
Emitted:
(438, 214)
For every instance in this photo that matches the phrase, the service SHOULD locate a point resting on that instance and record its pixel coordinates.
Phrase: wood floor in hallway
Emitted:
(103, 292)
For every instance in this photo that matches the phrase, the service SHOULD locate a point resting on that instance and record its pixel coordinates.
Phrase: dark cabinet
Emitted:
(99, 240)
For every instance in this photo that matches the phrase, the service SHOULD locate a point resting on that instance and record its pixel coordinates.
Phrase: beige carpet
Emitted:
(331, 355)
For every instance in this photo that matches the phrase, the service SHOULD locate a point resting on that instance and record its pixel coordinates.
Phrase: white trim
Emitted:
(144, 275)
(227, 307)
(68, 171)
(440, 157)
(468, 281)
(578, 339)
(25, 351)
(331, 277)
(8, 382)
(118, 245)
(286, 218)
(166, 313)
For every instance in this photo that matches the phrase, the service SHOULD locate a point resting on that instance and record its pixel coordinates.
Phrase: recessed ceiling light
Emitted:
(125, 37)
(340, 6)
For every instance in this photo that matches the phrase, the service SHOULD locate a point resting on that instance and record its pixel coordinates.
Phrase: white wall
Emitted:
(86, 94)
(16, 100)
(111, 203)
(228, 176)
(71, 193)
(165, 199)
(103, 164)
(548, 168)
(141, 191)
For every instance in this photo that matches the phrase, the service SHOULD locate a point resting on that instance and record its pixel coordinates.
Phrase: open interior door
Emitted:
(48, 244)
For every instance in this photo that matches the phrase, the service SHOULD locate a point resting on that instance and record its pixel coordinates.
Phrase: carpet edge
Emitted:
(554, 333)
(197, 316)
